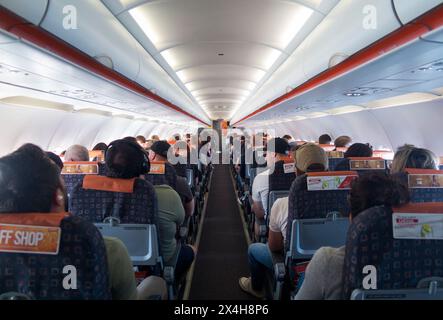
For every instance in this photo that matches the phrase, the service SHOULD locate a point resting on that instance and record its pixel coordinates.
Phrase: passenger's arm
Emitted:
(121, 274)
(189, 208)
(277, 224)
(275, 241)
(258, 187)
(259, 212)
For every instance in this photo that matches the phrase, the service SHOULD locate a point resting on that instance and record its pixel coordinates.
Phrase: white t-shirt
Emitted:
(279, 216)
(260, 189)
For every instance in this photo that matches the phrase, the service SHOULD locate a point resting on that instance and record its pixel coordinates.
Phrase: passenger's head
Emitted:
(159, 151)
(155, 137)
(287, 137)
(126, 160)
(55, 158)
(376, 189)
(309, 157)
(131, 139)
(77, 153)
(325, 139)
(149, 144)
(177, 137)
(101, 146)
(277, 149)
(141, 140)
(342, 141)
(359, 150)
(408, 156)
(30, 182)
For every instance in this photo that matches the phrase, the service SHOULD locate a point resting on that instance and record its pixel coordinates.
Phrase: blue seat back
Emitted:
(131, 201)
(158, 176)
(425, 185)
(331, 196)
(401, 262)
(40, 275)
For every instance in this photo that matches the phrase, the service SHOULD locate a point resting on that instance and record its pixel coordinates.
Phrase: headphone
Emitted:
(145, 165)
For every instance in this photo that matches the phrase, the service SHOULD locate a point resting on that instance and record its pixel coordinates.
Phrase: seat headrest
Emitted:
(108, 184)
(424, 178)
(367, 163)
(157, 167)
(80, 167)
(335, 154)
(330, 180)
(31, 232)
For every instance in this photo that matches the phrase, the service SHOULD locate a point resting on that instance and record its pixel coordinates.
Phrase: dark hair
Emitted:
(325, 139)
(55, 158)
(28, 180)
(359, 150)
(141, 139)
(125, 160)
(131, 139)
(376, 189)
(287, 137)
(422, 159)
(101, 146)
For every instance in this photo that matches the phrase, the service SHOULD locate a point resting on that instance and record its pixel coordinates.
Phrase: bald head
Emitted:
(77, 153)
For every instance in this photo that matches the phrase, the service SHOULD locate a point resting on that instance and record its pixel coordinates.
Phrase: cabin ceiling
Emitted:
(220, 52)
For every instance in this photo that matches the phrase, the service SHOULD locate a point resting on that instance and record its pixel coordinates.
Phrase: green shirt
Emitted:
(171, 214)
(121, 273)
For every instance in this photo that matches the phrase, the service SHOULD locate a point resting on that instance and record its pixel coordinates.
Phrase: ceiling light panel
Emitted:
(231, 43)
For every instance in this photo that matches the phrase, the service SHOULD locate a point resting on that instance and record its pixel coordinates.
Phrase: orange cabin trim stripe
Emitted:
(422, 171)
(102, 183)
(33, 218)
(426, 207)
(332, 173)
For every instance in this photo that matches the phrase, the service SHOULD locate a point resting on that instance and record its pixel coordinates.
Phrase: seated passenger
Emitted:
(323, 277)
(141, 140)
(159, 152)
(55, 158)
(325, 139)
(309, 157)
(356, 150)
(260, 186)
(342, 142)
(40, 188)
(170, 217)
(101, 146)
(287, 137)
(409, 156)
(132, 139)
(76, 153)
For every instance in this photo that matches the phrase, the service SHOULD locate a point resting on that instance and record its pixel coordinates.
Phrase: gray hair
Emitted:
(77, 153)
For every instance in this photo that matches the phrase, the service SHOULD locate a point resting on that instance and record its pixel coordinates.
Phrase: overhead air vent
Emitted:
(365, 91)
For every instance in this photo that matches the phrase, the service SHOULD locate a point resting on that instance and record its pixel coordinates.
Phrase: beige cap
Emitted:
(309, 154)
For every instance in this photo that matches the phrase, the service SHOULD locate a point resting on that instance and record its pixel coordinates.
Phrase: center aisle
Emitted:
(222, 254)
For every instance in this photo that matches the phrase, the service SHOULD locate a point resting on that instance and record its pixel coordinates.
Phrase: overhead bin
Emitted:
(409, 10)
(333, 38)
(99, 34)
